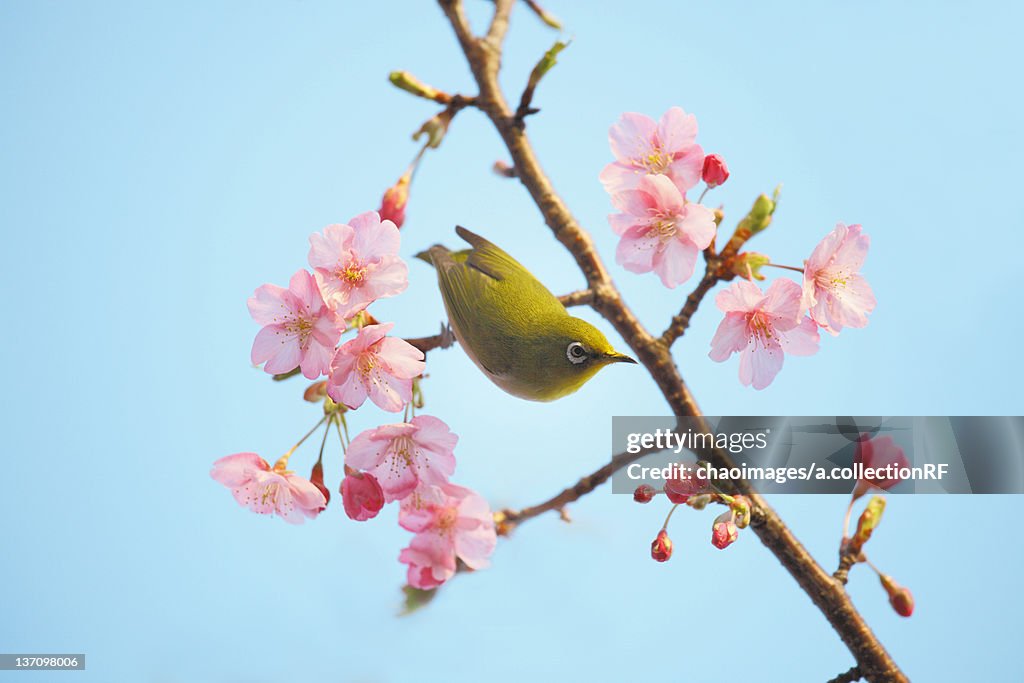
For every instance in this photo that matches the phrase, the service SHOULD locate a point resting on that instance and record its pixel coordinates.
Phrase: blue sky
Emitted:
(160, 162)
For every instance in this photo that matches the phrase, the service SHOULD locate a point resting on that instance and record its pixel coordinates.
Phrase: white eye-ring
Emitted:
(576, 353)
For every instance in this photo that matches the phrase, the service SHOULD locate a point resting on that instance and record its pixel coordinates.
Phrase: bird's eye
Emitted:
(576, 353)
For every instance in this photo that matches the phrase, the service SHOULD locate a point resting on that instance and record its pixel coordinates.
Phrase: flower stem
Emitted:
(282, 462)
(777, 265)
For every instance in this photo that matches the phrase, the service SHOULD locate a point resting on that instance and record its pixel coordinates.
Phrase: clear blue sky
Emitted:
(159, 162)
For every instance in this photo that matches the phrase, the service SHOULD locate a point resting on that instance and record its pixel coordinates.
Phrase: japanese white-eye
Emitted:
(515, 330)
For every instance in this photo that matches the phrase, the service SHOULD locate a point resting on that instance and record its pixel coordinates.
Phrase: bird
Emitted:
(512, 327)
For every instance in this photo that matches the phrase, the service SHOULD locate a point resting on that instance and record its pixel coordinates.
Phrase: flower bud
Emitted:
(724, 532)
(749, 264)
(644, 493)
(868, 522)
(316, 478)
(715, 171)
(661, 548)
(741, 510)
(679, 490)
(392, 206)
(409, 83)
(362, 496)
(900, 598)
(760, 215)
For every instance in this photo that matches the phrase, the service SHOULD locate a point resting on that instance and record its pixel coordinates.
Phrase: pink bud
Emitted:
(899, 597)
(724, 532)
(715, 171)
(644, 493)
(661, 548)
(392, 207)
(362, 496)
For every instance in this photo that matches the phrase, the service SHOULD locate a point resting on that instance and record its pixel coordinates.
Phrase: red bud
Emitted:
(392, 206)
(715, 171)
(644, 493)
(661, 548)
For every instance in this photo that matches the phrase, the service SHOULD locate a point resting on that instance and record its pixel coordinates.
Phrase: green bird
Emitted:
(515, 330)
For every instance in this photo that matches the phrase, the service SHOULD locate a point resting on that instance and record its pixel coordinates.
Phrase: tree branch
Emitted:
(484, 58)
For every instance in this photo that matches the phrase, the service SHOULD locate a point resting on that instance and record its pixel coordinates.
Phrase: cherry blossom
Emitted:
(377, 367)
(405, 455)
(267, 490)
(298, 329)
(450, 523)
(642, 147)
(761, 327)
(357, 263)
(660, 230)
(835, 294)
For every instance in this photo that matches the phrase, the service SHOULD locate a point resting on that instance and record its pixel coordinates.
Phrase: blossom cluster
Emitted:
(661, 231)
(353, 265)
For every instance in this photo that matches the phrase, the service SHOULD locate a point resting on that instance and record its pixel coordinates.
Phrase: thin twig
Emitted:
(582, 297)
(681, 321)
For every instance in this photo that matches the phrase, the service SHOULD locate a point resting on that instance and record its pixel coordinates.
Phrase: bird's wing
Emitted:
(465, 287)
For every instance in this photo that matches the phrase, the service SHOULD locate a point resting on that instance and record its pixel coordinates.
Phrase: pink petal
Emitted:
(617, 177)
(677, 130)
(266, 305)
(730, 337)
(621, 222)
(666, 196)
(685, 171)
(802, 340)
(235, 470)
(636, 250)
(403, 359)
(632, 136)
(373, 238)
(698, 225)
(825, 250)
(328, 248)
(305, 289)
(638, 202)
(279, 348)
(366, 451)
(853, 250)
(742, 296)
(306, 495)
(759, 364)
(675, 263)
(782, 301)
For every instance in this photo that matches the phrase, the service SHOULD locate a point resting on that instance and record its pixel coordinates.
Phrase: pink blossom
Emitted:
(643, 147)
(761, 327)
(406, 455)
(376, 366)
(715, 172)
(358, 263)
(660, 230)
(298, 329)
(264, 490)
(392, 207)
(724, 532)
(361, 496)
(885, 460)
(450, 522)
(835, 294)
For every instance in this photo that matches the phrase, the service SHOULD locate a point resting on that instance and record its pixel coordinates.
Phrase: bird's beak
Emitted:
(616, 357)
